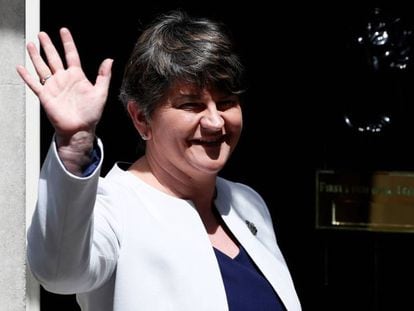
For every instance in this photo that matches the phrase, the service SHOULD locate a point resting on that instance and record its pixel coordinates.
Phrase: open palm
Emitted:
(71, 102)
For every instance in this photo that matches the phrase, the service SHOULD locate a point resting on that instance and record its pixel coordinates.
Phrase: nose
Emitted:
(212, 120)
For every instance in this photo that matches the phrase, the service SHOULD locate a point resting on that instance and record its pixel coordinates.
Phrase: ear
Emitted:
(139, 120)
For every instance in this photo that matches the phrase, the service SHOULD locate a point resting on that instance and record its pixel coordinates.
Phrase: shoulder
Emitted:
(117, 177)
(116, 188)
(242, 194)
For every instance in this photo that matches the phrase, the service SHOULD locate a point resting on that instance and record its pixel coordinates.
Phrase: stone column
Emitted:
(19, 155)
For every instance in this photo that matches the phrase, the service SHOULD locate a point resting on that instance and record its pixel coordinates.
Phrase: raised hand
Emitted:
(73, 104)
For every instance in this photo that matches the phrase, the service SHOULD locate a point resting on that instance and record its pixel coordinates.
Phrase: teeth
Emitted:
(214, 140)
(209, 141)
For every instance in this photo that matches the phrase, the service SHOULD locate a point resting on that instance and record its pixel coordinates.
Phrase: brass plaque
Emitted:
(376, 201)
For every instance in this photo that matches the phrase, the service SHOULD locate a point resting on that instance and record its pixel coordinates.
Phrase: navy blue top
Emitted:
(246, 287)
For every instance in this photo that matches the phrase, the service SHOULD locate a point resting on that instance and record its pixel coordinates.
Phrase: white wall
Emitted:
(19, 155)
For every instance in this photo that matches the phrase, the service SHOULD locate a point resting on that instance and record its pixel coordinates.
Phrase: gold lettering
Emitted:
(405, 191)
(381, 191)
(330, 188)
(360, 189)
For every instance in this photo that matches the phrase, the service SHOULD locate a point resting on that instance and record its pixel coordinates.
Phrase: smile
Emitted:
(213, 141)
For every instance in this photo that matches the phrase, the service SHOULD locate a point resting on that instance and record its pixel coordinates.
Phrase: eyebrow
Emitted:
(193, 96)
(187, 96)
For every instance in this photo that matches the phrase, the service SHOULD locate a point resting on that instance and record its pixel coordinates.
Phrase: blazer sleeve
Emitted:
(73, 238)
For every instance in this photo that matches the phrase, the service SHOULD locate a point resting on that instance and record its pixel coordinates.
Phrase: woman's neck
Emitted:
(199, 189)
(201, 192)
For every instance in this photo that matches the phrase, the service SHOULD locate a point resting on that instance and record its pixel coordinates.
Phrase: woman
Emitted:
(165, 232)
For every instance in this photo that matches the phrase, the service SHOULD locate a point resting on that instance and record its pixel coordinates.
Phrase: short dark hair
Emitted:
(179, 47)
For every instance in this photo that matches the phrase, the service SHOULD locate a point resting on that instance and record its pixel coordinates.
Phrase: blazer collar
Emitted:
(274, 269)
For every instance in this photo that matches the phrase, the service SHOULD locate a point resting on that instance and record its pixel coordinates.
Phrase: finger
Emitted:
(32, 83)
(39, 64)
(104, 74)
(53, 58)
(71, 52)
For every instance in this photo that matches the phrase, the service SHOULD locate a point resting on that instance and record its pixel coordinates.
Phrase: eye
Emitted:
(191, 106)
(227, 103)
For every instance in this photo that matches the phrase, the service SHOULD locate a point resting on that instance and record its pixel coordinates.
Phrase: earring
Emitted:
(144, 137)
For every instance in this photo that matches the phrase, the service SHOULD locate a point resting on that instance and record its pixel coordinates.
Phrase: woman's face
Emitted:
(195, 130)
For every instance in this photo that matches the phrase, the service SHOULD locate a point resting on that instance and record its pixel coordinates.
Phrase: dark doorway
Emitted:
(298, 75)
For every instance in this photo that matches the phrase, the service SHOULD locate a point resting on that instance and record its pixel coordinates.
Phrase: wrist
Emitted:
(75, 151)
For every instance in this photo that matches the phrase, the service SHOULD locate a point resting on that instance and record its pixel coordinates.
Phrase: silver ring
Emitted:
(43, 80)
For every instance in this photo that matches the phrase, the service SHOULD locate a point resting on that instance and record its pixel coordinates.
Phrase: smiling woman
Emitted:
(182, 88)
(207, 126)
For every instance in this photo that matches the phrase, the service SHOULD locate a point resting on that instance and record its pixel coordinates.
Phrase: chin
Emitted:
(209, 163)
(213, 168)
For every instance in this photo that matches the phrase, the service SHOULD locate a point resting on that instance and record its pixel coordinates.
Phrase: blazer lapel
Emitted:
(273, 267)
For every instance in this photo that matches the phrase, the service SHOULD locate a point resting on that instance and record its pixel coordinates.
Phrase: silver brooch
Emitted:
(251, 227)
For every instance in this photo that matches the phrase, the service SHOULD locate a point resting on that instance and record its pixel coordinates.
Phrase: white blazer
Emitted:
(122, 245)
